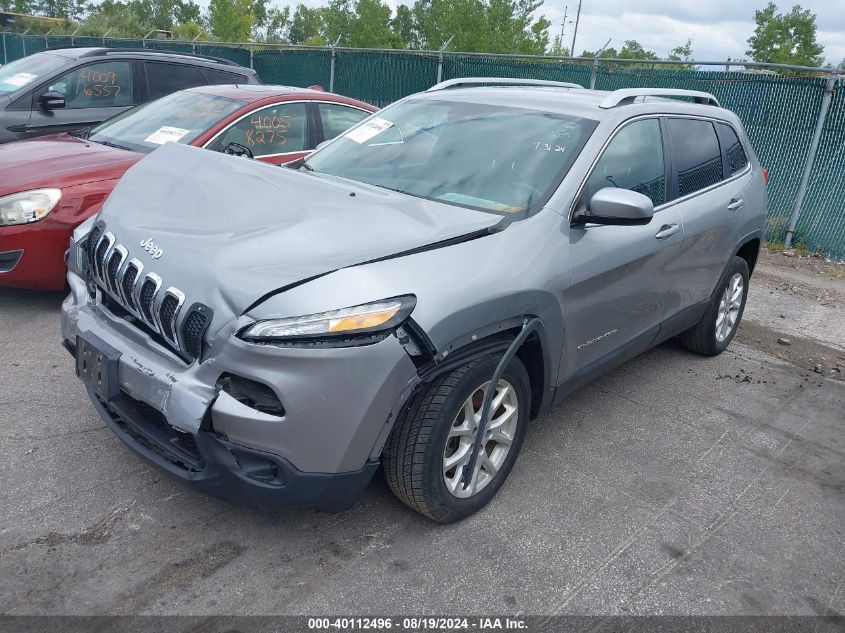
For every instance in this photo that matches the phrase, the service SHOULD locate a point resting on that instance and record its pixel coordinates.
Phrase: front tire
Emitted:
(717, 327)
(431, 441)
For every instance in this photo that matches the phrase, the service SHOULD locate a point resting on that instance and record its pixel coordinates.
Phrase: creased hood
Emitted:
(228, 230)
(58, 161)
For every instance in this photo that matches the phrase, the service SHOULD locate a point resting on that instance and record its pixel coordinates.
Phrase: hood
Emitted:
(227, 231)
(59, 161)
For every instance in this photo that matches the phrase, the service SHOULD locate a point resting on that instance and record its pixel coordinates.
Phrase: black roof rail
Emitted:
(210, 58)
(98, 51)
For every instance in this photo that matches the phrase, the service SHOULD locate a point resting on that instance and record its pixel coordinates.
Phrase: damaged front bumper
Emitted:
(320, 449)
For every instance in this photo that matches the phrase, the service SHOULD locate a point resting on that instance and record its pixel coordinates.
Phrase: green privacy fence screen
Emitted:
(780, 112)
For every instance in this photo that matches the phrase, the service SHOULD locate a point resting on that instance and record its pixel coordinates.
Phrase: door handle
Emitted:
(667, 230)
(735, 203)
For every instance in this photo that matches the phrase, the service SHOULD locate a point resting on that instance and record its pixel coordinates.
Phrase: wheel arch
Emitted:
(495, 338)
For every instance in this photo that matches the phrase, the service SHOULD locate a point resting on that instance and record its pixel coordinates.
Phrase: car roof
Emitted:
(250, 93)
(79, 52)
(588, 104)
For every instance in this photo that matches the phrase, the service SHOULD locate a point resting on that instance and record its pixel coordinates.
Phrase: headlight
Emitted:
(369, 318)
(28, 206)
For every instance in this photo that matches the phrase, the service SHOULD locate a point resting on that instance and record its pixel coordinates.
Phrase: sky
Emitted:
(719, 28)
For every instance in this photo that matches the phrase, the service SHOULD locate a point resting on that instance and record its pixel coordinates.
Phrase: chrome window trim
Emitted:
(278, 103)
(670, 203)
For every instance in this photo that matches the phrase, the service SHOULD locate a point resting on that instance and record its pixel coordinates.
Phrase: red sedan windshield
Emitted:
(177, 118)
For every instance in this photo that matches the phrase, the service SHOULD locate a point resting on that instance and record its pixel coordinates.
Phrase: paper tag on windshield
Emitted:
(166, 134)
(21, 79)
(368, 130)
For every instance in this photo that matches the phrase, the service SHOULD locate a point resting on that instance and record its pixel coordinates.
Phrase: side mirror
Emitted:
(612, 205)
(52, 100)
(236, 149)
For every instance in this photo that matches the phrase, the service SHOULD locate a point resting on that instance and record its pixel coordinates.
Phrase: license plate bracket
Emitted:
(96, 365)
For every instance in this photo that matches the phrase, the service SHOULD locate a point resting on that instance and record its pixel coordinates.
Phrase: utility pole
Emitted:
(562, 27)
(575, 34)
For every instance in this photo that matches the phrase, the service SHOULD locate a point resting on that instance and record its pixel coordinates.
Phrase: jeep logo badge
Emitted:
(149, 246)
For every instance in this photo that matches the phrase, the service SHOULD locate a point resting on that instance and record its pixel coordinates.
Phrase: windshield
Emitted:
(179, 118)
(489, 157)
(23, 72)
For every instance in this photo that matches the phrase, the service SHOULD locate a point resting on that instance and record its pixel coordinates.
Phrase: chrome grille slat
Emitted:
(129, 277)
(140, 292)
(115, 264)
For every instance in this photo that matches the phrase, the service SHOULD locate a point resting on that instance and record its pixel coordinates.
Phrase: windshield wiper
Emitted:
(110, 144)
(296, 164)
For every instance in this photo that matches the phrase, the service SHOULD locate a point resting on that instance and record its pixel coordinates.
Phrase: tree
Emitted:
(306, 25)
(337, 15)
(404, 27)
(230, 20)
(785, 38)
(370, 27)
(67, 9)
(490, 26)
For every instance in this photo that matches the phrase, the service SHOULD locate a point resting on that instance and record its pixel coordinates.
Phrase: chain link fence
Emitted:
(781, 112)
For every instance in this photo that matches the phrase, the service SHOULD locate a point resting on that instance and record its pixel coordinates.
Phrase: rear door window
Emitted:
(100, 85)
(696, 156)
(338, 118)
(162, 79)
(633, 160)
(737, 160)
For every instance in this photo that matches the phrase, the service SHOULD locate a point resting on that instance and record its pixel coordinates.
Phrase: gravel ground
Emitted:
(675, 485)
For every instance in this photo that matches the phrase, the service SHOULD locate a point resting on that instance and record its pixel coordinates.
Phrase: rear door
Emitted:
(93, 93)
(335, 118)
(164, 78)
(710, 172)
(621, 276)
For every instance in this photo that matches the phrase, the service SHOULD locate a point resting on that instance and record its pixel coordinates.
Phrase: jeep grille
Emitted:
(143, 294)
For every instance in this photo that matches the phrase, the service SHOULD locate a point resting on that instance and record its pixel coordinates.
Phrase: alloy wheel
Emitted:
(498, 437)
(729, 307)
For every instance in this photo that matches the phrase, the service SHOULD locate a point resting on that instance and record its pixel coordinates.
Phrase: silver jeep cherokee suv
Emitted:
(270, 336)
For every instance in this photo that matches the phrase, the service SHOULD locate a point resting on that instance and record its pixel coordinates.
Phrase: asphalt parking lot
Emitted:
(675, 485)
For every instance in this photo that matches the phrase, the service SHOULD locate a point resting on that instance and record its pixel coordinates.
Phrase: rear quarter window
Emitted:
(214, 77)
(735, 152)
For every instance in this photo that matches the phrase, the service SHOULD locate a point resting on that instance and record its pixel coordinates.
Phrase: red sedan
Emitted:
(50, 185)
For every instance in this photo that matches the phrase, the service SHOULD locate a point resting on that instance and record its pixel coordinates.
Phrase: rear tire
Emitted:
(720, 321)
(435, 428)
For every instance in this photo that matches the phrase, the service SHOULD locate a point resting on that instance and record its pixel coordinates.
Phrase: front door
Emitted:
(621, 276)
(93, 93)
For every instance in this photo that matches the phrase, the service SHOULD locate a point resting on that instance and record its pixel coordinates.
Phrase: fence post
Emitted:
(334, 57)
(194, 48)
(811, 158)
(104, 36)
(5, 59)
(440, 59)
(596, 65)
(144, 41)
(72, 34)
(251, 55)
